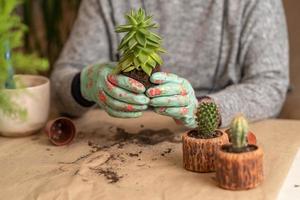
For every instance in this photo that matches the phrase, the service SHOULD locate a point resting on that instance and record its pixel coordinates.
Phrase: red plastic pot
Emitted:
(60, 131)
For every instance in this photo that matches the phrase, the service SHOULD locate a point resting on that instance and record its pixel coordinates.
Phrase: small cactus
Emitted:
(208, 118)
(238, 132)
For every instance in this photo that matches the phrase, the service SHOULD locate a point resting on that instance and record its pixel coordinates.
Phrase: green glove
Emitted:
(174, 97)
(119, 95)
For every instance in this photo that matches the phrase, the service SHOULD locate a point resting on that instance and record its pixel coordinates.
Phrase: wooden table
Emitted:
(131, 159)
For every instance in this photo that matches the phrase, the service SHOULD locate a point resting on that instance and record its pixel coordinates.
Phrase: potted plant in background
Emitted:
(201, 144)
(24, 99)
(140, 48)
(239, 165)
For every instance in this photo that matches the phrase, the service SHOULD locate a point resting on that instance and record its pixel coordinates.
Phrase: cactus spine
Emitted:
(238, 132)
(208, 118)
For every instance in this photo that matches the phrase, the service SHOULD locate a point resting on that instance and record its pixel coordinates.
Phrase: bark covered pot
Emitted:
(140, 48)
(239, 166)
(200, 145)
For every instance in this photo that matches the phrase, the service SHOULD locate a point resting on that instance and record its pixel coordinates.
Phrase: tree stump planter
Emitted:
(239, 171)
(199, 154)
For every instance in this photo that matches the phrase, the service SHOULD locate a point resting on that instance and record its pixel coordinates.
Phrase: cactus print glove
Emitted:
(119, 95)
(174, 97)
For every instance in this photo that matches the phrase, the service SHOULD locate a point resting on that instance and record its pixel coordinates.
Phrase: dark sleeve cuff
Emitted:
(76, 93)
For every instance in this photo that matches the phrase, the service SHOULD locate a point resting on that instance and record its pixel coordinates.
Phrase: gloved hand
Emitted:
(174, 97)
(119, 95)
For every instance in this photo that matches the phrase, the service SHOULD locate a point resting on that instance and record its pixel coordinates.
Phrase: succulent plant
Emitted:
(208, 118)
(140, 47)
(238, 132)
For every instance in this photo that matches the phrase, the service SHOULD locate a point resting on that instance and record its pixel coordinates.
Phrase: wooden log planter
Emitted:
(199, 154)
(239, 171)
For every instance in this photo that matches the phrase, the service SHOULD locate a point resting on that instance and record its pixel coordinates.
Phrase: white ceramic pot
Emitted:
(35, 98)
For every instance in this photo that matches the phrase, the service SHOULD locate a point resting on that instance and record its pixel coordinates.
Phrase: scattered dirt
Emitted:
(133, 154)
(147, 136)
(166, 152)
(119, 138)
(109, 174)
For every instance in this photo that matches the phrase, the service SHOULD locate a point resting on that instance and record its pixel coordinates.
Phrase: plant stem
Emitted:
(9, 83)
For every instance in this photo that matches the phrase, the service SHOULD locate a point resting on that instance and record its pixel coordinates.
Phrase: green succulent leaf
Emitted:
(153, 44)
(143, 58)
(131, 19)
(126, 39)
(129, 69)
(151, 62)
(132, 43)
(153, 39)
(140, 39)
(146, 50)
(148, 19)
(147, 69)
(144, 32)
(157, 58)
(156, 36)
(161, 50)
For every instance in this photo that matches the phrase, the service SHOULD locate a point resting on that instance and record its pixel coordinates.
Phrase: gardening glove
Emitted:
(174, 97)
(119, 95)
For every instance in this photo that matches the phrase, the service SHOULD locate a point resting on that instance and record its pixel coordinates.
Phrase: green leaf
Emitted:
(145, 50)
(126, 38)
(123, 28)
(150, 43)
(153, 39)
(157, 58)
(161, 50)
(141, 15)
(148, 19)
(152, 25)
(143, 58)
(125, 56)
(132, 43)
(136, 62)
(126, 63)
(151, 62)
(155, 35)
(140, 38)
(131, 20)
(129, 69)
(147, 69)
(144, 31)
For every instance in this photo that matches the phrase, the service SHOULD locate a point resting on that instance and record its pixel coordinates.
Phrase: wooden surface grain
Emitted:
(115, 159)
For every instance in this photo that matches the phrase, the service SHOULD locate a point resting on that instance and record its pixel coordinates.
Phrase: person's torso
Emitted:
(201, 37)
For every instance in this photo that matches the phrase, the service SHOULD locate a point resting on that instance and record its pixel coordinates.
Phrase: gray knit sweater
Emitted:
(235, 51)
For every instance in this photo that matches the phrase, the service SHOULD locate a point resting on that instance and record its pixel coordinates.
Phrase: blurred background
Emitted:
(291, 108)
(50, 22)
